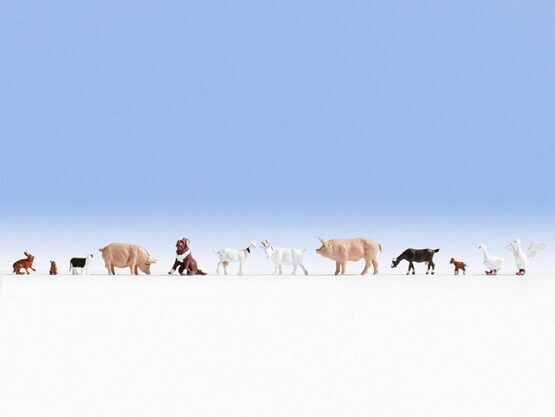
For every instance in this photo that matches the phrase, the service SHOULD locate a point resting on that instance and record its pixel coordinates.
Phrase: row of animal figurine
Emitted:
(134, 257)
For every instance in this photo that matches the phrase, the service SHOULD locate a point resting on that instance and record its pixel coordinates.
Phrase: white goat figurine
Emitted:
(234, 255)
(284, 256)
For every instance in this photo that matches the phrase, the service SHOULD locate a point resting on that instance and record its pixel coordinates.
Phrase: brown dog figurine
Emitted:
(53, 268)
(184, 261)
(458, 265)
(24, 264)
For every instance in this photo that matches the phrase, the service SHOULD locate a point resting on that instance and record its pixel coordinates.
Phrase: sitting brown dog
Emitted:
(458, 265)
(53, 268)
(24, 264)
(184, 260)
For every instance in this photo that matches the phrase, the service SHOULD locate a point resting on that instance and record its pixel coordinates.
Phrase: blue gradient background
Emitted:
(417, 123)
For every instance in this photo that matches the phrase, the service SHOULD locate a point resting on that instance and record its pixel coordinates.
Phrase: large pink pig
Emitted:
(343, 250)
(123, 255)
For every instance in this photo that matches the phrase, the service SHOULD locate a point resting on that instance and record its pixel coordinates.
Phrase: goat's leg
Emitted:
(240, 272)
(294, 272)
(433, 265)
(304, 269)
(275, 270)
(280, 269)
(218, 268)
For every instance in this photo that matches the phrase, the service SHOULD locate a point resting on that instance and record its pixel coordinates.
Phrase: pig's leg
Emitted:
(366, 267)
(337, 268)
(375, 266)
(343, 267)
(136, 270)
(108, 268)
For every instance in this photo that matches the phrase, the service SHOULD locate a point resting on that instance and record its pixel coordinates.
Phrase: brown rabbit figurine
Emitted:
(24, 264)
(53, 268)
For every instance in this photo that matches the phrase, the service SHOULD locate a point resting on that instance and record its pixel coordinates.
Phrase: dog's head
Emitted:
(182, 245)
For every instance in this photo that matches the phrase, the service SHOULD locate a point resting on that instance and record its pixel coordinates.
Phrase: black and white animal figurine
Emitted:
(82, 263)
(417, 255)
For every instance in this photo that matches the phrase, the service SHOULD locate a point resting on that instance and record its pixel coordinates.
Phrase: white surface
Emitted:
(277, 346)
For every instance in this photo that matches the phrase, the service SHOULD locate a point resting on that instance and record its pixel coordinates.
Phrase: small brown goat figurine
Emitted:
(24, 264)
(53, 268)
(458, 265)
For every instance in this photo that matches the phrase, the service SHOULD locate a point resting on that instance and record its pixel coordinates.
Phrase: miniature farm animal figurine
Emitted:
(417, 255)
(521, 257)
(234, 255)
(184, 260)
(81, 263)
(344, 250)
(284, 256)
(492, 263)
(25, 264)
(458, 266)
(53, 268)
(126, 255)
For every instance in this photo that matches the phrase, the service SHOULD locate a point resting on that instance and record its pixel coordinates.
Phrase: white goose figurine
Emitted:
(521, 257)
(493, 263)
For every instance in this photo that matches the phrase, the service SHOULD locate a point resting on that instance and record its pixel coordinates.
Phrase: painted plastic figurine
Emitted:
(184, 261)
(344, 250)
(417, 255)
(25, 264)
(458, 266)
(492, 263)
(521, 257)
(53, 268)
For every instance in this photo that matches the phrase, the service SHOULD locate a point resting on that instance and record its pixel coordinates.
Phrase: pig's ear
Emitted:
(321, 239)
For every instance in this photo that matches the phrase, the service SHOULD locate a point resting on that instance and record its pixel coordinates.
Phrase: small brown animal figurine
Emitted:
(458, 265)
(24, 264)
(53, 268)
(184, 260)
